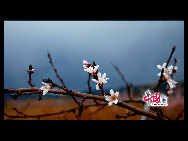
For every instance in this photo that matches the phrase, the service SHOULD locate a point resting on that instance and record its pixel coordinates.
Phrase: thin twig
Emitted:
(30, 72)
(88, 83)
(168, 61)
(19, 112)
(38, 116)
(80, 108)
(126, 115)
(73, 110)
(180, 114)
(89, 87)
(61, 80)
(124, 80)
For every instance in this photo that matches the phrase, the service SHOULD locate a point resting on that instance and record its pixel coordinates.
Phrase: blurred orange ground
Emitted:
(35, 107)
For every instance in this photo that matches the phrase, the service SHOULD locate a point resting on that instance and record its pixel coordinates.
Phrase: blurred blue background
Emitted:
(136, 47)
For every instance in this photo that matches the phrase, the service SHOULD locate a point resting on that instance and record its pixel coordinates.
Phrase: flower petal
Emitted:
(99, 74)
(108, 98)
(44, 83)
(104, 75)
(42, 88)
(45, 91)
(96, 67)
(97, 87)
(104, 81)
(95, 80)
(115, 101)
(172, 83)
(159, 67)
(166, 75)
(111, 92)
(86, 69)
(117, 93)
(85, 62)
(170, 67)
(164, 65)
(159, 74)
(110, 103)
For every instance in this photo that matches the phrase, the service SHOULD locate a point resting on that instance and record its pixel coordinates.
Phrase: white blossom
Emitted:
(45, 88)
(171, 83)
(92, 69)
(167, 72)
(101, 80)
(86, 64)
(112, 98)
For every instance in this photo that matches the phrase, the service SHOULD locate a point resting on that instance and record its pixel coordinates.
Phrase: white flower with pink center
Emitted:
(171, 83)
(92, 70)
(101, 80)
(112, 98)
(45, 88)
(86, 64)
(167, 72)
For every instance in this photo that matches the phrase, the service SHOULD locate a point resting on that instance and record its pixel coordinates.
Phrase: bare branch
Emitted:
(89, 87)
(123, 78)
(126, 115)
(88, 83)
(91, 96)
(80, 108)
(38, 116)
(30, 71)
(73, 110)
(180, 114)
(61, 80)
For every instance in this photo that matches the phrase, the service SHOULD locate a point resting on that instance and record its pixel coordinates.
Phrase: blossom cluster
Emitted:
(168, 75)
(100, 79)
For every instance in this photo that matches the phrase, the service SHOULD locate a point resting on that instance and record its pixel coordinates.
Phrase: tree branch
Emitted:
(91, 96)
(180, 114)
(30, 71)
(124, 80)
(89, 87)
(61, 80)
(73, 110)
